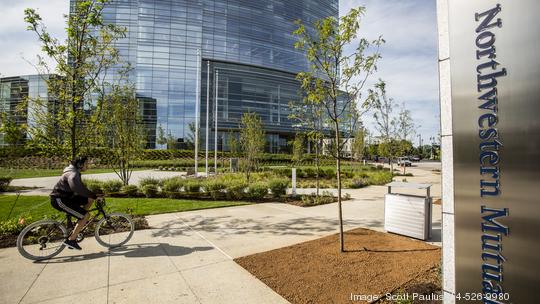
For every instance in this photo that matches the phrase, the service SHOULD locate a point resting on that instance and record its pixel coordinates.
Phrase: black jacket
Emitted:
(70, 184)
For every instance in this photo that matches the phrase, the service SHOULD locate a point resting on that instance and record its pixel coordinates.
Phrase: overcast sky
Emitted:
(409, 63)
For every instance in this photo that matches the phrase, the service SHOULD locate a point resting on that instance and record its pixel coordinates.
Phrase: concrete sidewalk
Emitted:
(185, 258)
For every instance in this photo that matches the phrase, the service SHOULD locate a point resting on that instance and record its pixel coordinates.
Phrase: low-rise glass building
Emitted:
(14, 91)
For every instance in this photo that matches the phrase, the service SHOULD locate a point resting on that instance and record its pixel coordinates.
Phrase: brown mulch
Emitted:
(374, 263)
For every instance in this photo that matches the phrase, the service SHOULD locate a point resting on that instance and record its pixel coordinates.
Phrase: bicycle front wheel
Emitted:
(42, 240)
(114, 230)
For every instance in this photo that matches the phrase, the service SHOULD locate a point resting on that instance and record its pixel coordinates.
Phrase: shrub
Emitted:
(150, 181)
(150, 190)
(214, 187)
(14, 226)
(380, 177)
(278, 186)
(358, 183)
(94, 185)
(329, 173)
(257, 190)
(310, 172)
(314, 200)
(192, 186)
(172, 186)
(235, 189)
(129, 190)
(112, 186)
(4, 183)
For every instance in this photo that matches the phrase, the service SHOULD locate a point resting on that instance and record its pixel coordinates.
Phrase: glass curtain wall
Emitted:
(162, 43)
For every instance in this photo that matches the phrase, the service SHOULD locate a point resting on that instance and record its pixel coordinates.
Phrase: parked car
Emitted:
(404, 161)
(415, 158)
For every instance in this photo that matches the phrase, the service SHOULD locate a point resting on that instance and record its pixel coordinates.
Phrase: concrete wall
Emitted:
(448, 256)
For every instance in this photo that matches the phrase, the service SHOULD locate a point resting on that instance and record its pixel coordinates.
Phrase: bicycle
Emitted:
(44, 239)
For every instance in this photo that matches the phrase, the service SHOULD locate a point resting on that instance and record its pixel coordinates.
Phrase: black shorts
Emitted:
(72, 206)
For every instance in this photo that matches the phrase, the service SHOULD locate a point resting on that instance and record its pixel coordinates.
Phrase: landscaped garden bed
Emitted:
(374, 263)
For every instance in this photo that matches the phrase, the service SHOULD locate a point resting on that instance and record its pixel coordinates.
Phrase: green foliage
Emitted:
(278, 186)
(112, 186)
(358, 144)
(257, 190)
(298, 148)
(192, 186)
(172, 186)
(14, 226)
(150, 190)
(4, 183)
(13, 132)
(150, 181)
(314, 200)
(215, 187)
(80, 60)
(252, 141)
(94, 185)
(357, 183)
(123, 128)
(129, 190)
(235, 189)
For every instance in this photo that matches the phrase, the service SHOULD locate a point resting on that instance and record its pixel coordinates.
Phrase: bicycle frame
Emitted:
(99, 208)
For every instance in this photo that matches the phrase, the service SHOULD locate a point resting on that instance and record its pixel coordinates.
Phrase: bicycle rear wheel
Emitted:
(41, 240)
(114, 230)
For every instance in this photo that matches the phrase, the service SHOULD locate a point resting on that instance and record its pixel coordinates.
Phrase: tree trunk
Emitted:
(317, 165)
(338, 169)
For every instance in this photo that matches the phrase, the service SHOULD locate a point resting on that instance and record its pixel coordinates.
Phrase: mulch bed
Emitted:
(374, 263)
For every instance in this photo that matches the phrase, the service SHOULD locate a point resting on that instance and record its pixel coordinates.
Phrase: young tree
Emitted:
(308, 115)
(358, 144)
(252, 141)
(161, 139)
(190, 137)
(385, 123)
(81, 61)
(234, 145)
(14, 133)
(125, 133)
(335, 79)
(298, 148)
(405, 129)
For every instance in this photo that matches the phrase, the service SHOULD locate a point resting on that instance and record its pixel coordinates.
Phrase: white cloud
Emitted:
(409, 63)
(17, 45)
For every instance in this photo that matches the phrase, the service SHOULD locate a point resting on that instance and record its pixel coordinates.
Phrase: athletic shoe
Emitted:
(72, 244)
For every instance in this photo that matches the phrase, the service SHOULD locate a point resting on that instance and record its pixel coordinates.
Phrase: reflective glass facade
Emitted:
(250, 42)
(15, 90)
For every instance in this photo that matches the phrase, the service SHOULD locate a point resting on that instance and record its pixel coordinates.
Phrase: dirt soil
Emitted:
(374, 264)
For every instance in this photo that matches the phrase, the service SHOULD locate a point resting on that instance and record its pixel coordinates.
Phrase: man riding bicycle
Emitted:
(72, 197)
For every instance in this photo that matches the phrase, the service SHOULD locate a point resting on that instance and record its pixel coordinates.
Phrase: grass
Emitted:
(28, 173)
(37, 207)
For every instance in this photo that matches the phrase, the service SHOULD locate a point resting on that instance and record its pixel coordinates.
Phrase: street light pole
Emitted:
(197, 111)
(216, 123)
(207, 109)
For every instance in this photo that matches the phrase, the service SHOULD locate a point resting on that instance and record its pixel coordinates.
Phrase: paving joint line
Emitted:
(33, 282)
(200, 235)
(180, 273)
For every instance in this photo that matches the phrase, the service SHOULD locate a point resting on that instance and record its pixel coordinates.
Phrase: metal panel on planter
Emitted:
(408, 215)
(495, 74)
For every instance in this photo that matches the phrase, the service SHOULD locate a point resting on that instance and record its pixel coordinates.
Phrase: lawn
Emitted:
(28, 173)
(37, 207)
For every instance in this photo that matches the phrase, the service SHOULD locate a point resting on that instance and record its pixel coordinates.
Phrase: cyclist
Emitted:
(72, 197)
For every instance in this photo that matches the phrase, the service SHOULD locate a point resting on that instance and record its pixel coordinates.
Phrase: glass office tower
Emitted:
(15, 90)
(249, 42)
